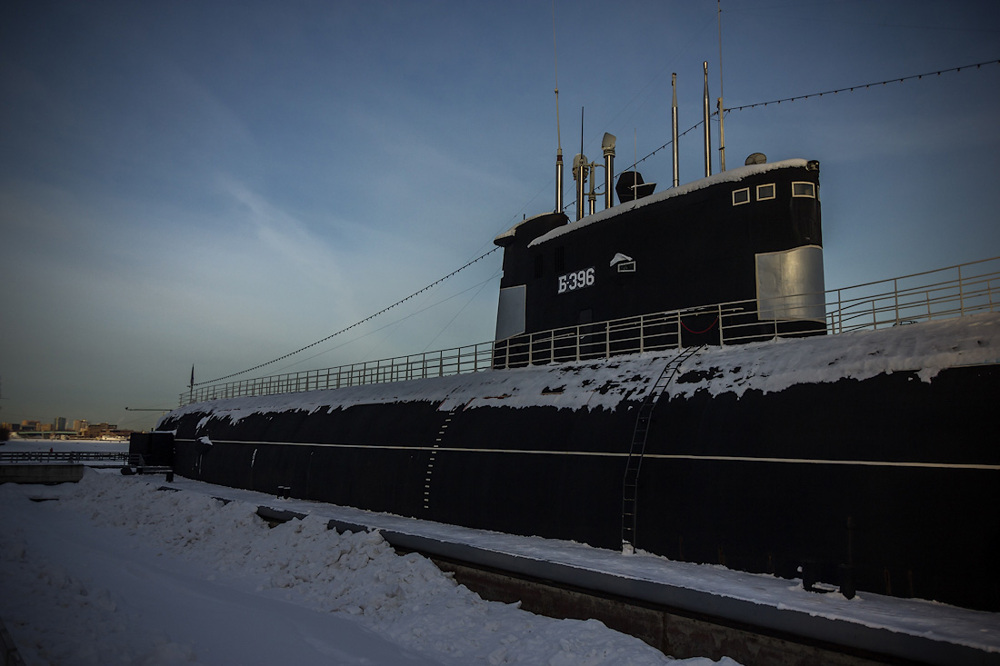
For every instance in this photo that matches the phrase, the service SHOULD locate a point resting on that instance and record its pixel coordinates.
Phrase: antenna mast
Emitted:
(706, 119)
(559, 154)
(722, 130)
(673, 127)
(580, 170)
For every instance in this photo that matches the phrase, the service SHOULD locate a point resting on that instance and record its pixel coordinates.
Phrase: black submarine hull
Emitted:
(885, 483)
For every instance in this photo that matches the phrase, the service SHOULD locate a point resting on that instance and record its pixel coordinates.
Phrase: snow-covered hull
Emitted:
(864, 459)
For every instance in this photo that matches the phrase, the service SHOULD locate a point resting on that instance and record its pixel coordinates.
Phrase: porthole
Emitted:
(741, 196)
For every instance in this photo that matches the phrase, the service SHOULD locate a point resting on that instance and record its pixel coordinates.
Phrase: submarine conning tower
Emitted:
(746, 241)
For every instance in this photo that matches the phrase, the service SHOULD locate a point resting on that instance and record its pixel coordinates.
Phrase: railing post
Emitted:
(961, 292)
(607, 340)
(840, 311)
(895, 299)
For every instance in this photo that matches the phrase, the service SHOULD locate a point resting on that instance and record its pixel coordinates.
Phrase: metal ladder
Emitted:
(630, 484)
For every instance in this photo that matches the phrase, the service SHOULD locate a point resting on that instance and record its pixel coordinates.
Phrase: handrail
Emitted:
(16, 457)
(954, 291)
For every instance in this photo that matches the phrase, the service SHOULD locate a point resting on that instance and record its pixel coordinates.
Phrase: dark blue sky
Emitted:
(220, 183)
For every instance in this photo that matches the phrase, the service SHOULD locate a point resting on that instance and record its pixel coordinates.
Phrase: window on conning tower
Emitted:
(804, 189)
(765, 192)
(741, 196)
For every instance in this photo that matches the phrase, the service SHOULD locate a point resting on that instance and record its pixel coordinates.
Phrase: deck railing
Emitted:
(20, 457)
(955, 291)
(456, 361)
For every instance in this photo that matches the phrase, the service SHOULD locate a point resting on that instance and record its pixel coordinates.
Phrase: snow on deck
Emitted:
(925, 348)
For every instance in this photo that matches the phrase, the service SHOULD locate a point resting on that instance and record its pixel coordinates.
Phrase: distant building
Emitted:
(97, 430)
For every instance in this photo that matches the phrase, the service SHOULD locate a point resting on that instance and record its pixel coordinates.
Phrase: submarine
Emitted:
(669, 374)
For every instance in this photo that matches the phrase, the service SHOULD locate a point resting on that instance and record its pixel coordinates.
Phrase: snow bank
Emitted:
(115, 571)
(915, 617)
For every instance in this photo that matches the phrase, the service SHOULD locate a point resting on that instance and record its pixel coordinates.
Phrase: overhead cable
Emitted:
(863, 85)
(354, 325)
(820, 94)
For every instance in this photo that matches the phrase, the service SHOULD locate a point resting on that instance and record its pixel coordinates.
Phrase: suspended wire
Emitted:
(801, 97)
(864, 85)
(354, 325)
(819, 94)
(482, 285)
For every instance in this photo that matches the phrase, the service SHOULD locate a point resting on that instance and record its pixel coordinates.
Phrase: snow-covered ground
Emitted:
(115, 571)
(914, 617)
